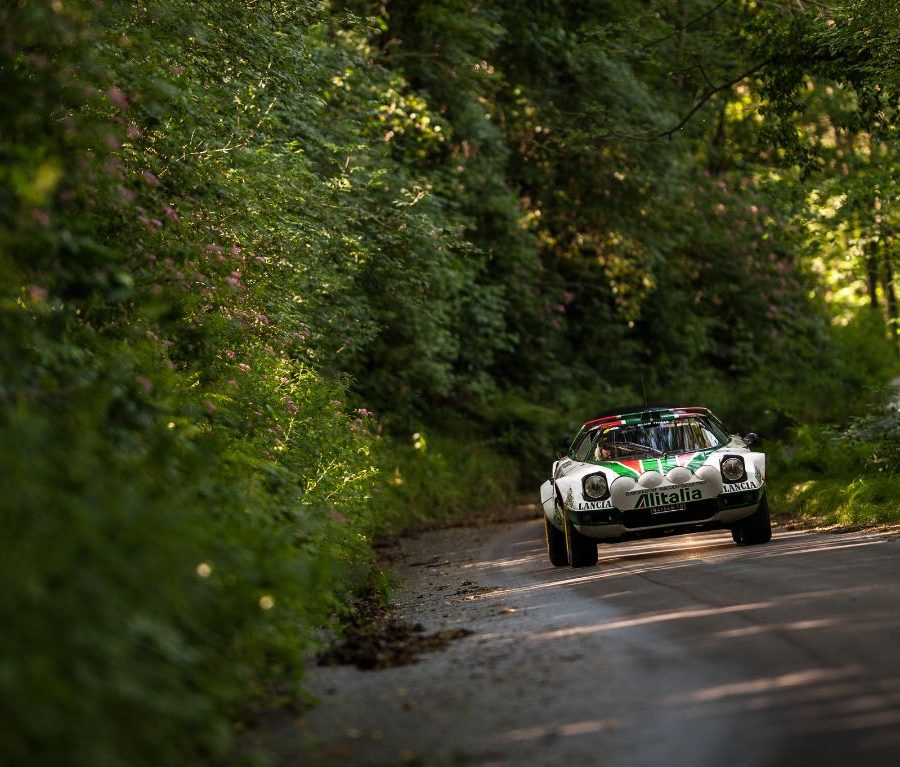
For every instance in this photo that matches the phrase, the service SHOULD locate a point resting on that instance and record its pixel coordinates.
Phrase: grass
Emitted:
(847, 477)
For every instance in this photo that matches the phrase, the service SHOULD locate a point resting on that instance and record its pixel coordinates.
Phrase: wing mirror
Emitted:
(562, 447)
(751, 439)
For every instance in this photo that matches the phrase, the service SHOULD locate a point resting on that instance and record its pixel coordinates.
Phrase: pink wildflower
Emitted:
(118, 98)
(114, 166)
(41, 216)
(37, 294)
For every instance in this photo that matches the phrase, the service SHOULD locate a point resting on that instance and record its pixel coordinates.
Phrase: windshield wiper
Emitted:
(639, 446)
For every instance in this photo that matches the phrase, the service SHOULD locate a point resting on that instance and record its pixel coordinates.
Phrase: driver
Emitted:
(603, 451)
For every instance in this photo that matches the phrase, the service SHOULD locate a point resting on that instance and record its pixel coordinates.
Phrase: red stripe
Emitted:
(609, 420)
(617, 420)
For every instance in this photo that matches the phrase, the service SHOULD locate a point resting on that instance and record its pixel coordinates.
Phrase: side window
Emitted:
(580, 453)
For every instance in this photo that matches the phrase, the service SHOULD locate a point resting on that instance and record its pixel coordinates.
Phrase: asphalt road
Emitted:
(680, 651)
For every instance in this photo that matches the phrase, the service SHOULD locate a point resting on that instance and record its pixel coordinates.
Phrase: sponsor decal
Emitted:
(736, 487)
(758, 475)
(594, 505)
(670, 489)
(668, 497)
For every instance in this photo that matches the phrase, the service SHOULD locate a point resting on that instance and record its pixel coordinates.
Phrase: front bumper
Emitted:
(613, 523)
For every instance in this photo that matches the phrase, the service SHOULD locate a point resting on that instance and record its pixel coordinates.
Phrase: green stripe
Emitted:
(662, 465)
(650, 464)
(669, 462)
(618, 468)
(698, 460)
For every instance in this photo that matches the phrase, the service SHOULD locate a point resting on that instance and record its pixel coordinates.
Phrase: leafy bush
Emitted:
(183, 498)
(842, 476)
(438, 479)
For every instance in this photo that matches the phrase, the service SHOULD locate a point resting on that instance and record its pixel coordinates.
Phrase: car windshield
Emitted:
(650, 440)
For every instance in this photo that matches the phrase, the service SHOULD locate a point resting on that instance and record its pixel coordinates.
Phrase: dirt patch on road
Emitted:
(428, 570)
(373, 637)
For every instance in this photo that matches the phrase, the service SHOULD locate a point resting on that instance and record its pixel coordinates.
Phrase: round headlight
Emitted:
(595, 486)
(732, 469)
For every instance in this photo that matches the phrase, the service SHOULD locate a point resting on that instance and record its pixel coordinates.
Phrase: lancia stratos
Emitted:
(648, 472)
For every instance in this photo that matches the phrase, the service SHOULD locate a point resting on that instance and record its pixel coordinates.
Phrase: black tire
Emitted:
(581, 550)
(556, 544)
(756, 529)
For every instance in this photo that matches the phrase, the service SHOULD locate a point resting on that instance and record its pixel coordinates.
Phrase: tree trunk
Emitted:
(890, 297)
(872, 273)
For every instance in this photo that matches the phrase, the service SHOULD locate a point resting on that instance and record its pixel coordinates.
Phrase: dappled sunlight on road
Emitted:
(565, 729)
(626, 573)
(762, 685)
(798, 656)
(685, 650)
(645, 620)
(632, 558)
(819, 700)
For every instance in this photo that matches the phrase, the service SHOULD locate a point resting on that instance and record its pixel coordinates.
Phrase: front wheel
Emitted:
(556, 544)
(756, 529)
(582, 550)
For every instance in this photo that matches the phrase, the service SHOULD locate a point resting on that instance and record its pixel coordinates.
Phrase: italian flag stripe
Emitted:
(669, 462)
(697, 461)
(634, 468)
(624, 468)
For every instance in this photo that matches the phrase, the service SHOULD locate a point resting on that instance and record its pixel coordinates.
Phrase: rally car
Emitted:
(651, 471)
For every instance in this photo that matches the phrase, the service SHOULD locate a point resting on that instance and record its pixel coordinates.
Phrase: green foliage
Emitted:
(247, 250)
(845, 477)
(439, 479)
(184, 498)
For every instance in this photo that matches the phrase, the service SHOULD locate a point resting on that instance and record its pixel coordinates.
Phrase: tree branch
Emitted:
(686, 26)
(669, 132)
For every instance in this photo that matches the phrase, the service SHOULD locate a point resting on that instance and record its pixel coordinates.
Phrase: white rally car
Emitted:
(653, 471)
